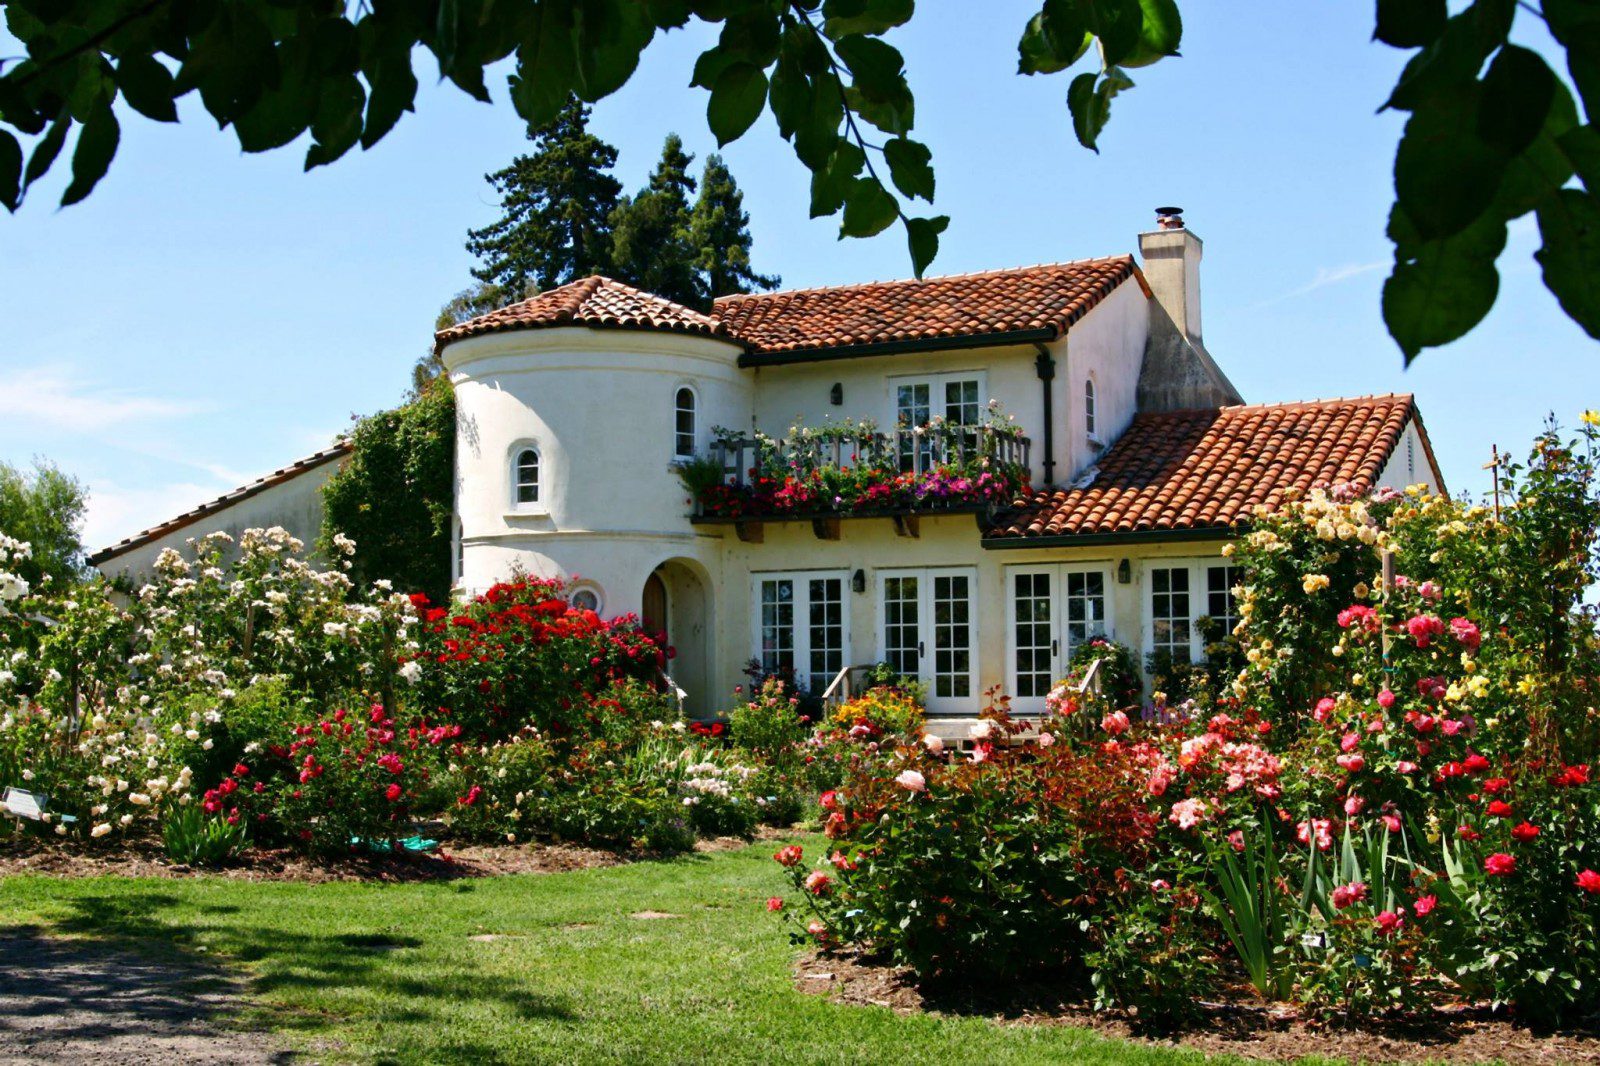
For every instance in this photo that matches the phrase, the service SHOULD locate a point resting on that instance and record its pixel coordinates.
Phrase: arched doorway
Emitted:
(676, 600)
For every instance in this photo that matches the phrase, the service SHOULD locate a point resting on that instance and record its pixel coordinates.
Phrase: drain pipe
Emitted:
(1045, 367)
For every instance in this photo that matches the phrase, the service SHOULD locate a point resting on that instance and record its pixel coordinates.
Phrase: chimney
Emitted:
(1177, 372)
(1171, 255)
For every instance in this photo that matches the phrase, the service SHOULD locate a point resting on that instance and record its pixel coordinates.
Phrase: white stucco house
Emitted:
(578, 407)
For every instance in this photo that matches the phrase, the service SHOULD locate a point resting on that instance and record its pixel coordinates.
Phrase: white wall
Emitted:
(1108, 343)
(295, 504)
(1408, 465)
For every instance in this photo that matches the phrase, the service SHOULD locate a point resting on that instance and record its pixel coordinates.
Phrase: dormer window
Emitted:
(525, 478)
(1088, 410)
(683, 436)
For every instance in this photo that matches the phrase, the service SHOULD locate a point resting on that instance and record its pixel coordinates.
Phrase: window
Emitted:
(1220, 605)
(802, 626)
(929, 632)
(1171, 627)
(955, 398)
(460, 555)
(525, 477)
(1053, 608)
(1088, 410)
(586, 598)
(683, 435)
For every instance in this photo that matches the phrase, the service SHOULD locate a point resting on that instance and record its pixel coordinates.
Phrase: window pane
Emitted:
(952, 636)
(777, 624)
(826, 631)
(528, 476)
(1220, 605)
(1031, 605)
(913, 409)
(684, 430)
(1169, 612)
(1086, 606)
(900, 625)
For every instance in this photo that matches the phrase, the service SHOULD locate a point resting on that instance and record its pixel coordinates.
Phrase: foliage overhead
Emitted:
(44, 508)
(1494, 133)
(395, 495)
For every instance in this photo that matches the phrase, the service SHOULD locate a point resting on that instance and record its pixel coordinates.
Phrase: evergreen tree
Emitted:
(650, 232)
(558, 201)
(719, 230)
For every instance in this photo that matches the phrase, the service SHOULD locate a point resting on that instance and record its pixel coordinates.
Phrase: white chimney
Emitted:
(1171, 255)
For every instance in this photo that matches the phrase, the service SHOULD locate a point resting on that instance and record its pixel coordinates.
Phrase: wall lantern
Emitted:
(836, 394)
(858, 581)
(1124, 573)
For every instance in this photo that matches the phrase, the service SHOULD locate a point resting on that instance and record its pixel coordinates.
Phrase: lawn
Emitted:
(392, 973)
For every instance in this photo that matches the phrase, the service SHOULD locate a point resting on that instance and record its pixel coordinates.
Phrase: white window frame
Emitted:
(937, 406)
(539, 504)
(694, 426)
(1091, 410)
(1061, 643)
(928, 645)
(592, 589)
(802, 630)
(1199, 597)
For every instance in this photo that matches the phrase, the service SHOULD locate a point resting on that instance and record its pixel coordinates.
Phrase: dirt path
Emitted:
(85, 1002)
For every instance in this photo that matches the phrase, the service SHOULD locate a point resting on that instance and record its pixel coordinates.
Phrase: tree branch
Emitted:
(93, 41)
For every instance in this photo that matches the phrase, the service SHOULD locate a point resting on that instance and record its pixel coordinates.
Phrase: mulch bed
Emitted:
(1459, 1033)
(145, 858)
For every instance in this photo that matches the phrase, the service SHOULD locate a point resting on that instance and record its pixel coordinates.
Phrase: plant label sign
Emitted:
(24, 804)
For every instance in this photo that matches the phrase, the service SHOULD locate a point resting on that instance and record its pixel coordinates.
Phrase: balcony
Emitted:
(853, 471)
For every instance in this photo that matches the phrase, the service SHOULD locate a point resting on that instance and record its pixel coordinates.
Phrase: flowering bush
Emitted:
(770, 724)
(878, 713)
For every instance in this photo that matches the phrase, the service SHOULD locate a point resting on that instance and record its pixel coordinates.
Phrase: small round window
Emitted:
(585, 599)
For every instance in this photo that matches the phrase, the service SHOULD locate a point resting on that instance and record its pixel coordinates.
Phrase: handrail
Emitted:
(841, 678)
(1091, 680)
(905, 449)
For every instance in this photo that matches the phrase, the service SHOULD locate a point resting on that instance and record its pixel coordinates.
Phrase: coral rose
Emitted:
(788, 856)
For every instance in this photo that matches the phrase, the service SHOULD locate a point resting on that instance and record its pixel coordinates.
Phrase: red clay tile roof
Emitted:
(1023, 303)
(596, 302)
(300, 466)
(1042, 300)
(1207, 469)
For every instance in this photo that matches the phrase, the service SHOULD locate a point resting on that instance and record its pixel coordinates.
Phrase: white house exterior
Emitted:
(576, 407)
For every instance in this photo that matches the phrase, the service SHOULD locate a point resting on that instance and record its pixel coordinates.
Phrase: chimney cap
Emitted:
(1169, 210)
(1169, 218)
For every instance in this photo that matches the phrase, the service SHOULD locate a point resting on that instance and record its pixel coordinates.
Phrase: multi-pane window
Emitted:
(1033, 634)
(1220, 605)
(929, 632)
(1086, 605)
(901, 628)
(952, 636)
(1171, 624)
(1088, 410)
(802, 626)
(525, 477)
(683, 436)
(957, 399)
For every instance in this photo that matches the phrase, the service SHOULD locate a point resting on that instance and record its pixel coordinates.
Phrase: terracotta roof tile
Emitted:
(300, 466)
(1046, 298)
(597, 302)
(1207, 469)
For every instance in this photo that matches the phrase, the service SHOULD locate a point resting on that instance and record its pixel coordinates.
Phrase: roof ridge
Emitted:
(739, 297)
(1368, 399)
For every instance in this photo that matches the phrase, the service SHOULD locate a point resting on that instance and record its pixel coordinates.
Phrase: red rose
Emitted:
(1425, 905)
(1589, 881)
(1524, 832)
(1499, 809)
(1500, 864)
(392, 793)
(788, 856)
(829, 800)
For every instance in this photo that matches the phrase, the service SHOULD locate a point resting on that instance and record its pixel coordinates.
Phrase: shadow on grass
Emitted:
(289, 961)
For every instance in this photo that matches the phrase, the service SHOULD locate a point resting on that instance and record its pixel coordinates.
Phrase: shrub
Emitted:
(770, 725)
(196, 838)
(1120, 682)
(879, 713)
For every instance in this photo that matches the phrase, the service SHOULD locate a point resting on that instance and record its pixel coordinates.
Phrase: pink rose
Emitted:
(1385, 698)
(911, 781)
(817, 883)
(1347, 895)
(1046, 740)
(934, 744)
(1424, 905)
(1116, 723)
(1352, 763)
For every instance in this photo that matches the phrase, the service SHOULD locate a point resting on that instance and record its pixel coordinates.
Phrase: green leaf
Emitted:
(1091, 104)
(736, 101)
(868, 209)
(45, 152)
(10, 171)
(147, 86)
(611, 37)
(337, 125)
(1517, 92)
(1456, 57)
(878, 91)
(1410, 23)
(844, 17)
(97, 143)
(1581, 146)
(1569, 223)
(922, 236)
(911, 167)
(1160, 32)
(1119, 24)
(1439, 289)
(1542, 167)
(1445, 174)
(1053, 40)
(832, 183)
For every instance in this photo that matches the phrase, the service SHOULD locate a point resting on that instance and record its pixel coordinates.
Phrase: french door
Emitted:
(1050, 610)
(928, 630)
(802, 625)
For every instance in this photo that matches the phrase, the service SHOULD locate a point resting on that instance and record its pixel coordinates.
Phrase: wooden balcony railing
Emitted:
(903, 451)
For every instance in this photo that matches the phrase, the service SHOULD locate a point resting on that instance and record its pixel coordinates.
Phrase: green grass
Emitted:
(389, 973)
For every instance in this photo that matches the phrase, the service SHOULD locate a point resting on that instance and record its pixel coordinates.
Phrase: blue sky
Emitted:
(208, 316)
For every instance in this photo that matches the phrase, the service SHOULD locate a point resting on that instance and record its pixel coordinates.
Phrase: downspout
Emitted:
(1045, 366)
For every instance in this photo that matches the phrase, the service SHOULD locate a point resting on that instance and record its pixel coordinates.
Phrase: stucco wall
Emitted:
(1408, 465)
(295, 504)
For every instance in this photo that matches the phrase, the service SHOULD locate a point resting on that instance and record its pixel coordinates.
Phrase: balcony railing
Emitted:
(856, 470)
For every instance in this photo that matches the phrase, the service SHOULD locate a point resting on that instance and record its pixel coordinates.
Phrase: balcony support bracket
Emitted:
(825, 528)
(750, 532)
(908, 525)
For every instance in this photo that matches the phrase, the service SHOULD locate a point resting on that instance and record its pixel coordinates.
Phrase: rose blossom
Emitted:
(911, 780)
(1589, 881)
(934, 744)
(829, 800)
(817, 882)
(1389, 922)
(1236, 839)
(775, 903)
(1385, 698)
(1321, 828)
(1345, 895)
(1352, 763)
(1500, 864)
(1188, 813)
(1524, 832)
(1425, 905)
(1116, 723)
(1046, 740)
(788, 856)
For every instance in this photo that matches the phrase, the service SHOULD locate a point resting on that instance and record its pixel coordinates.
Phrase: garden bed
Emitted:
(1244, 1028)
(144, 858)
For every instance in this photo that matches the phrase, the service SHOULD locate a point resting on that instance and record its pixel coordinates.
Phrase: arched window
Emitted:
(586, 598)
(1088, 409)
(525, 477)
(683, 429)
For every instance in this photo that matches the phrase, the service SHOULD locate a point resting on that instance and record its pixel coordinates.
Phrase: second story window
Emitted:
(525, 477)
(683, 436)
(1088, 410)
(955, 399)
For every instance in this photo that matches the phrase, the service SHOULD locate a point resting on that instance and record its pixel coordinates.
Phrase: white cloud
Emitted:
(115, 513)
(58, 399)
(1334, 275)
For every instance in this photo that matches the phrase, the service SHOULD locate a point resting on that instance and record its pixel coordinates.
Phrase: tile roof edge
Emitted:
(212, 506)
(722, 301)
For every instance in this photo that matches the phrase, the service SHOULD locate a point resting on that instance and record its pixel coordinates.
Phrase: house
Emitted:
(581, 409)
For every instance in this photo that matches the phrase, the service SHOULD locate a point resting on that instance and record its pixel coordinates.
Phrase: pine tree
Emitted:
(719, 231)
(558, 202)
(650, 232)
